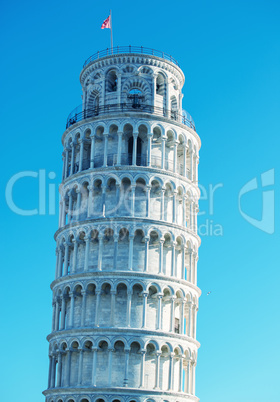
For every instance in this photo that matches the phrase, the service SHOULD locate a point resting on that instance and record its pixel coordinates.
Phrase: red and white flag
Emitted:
(106, 23)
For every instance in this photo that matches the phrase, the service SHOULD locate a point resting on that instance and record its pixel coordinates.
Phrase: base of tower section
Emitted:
(110, 394)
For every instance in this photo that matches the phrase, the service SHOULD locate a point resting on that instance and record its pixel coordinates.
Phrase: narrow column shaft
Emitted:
(70, 207)
(53, 371)
(128, 309)
(87, 240)
(149, 149)
(162, 204)
(130, 256)
(135, 136)
(159, 312)
(75, 252)
(148, 197)
(116, 240)
(146, 264)
(105, 149)
(119, 148)
(119, 87)
(182, 313)
(104, 201)
(132, 200)
(117, 197)
(72, 158)
(63, 165)
(181, 375)
(183, 262)
(193, 379)
(172, 314)
(81, 142)
(170, 377)
(173, 264)
(110, 351)
(66, 163)
(97, 309)
(60, 213)
(94, 364)
(68, 367)
(125, 381)
(191, 165)
(163, 152)
(174, 217)
(100, 253)
(59, 265)
(53, 316)
(161, 243)
(63, 312)
(63, 212)
(90, 201)
(78, 206)
(184, 212)
(189, 318)
(158, 354)
(84, 306)
(175, 158)
(142, 372)
(113, 304)
(145, 295)
(72, 306)
(57, 311)
(59, 369)
(66, 259)
(80, 369)
(50, 372)
(92, 151)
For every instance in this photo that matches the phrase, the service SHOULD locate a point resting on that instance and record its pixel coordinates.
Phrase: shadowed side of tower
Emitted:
(125, 295)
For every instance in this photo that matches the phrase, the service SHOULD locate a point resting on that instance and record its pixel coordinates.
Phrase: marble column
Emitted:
(92, 151)
(146, 263)
(119, 160)
(81, 142)
(134, 154)
(145, 296)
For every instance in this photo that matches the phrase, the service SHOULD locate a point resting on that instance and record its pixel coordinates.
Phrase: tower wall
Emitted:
(125, 295)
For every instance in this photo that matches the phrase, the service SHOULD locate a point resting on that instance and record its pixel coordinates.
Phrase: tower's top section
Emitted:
(131, 79)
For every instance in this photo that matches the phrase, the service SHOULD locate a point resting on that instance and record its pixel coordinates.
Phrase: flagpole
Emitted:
(111, 31)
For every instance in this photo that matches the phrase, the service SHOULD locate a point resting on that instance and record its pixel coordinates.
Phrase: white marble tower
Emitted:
(125, 295)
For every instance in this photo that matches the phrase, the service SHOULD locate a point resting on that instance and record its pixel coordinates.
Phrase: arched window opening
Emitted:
(112, 81)
(160, 87)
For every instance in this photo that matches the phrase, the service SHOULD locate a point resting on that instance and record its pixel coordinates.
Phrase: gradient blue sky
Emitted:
(229, 52)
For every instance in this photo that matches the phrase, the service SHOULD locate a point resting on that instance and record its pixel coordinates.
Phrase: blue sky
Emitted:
(229, 52)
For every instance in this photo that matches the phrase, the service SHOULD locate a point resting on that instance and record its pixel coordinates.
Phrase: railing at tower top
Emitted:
(78, 114)
(129, 49)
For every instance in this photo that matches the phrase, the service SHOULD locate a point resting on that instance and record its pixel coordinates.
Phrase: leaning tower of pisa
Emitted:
(125, 295)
